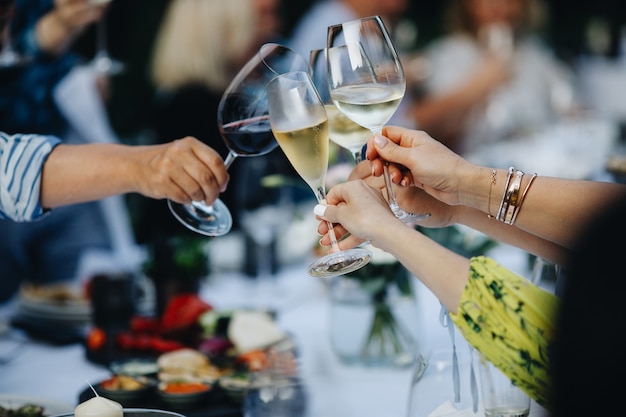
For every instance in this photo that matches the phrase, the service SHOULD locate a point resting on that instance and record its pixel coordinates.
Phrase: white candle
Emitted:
(99, 407)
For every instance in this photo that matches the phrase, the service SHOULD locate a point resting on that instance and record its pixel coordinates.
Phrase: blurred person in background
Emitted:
(53, 93)
(310, 31)
(491, 77)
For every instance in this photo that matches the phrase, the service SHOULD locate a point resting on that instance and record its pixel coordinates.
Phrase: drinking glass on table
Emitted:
(367, 83)
(243, 121)
(501, 398)
(300, 124)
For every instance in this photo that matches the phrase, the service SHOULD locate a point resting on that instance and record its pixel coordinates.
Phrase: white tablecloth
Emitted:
(61, 373)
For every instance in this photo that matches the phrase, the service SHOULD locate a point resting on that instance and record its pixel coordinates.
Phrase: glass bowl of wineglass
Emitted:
(367, 82)
(300, 125)
(243, 120)
(344, 131)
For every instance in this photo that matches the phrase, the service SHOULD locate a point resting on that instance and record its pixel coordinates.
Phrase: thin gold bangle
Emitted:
(493, 182)
(503, 207)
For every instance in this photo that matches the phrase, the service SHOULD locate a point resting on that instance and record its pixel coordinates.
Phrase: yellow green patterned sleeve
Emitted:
(511, 322)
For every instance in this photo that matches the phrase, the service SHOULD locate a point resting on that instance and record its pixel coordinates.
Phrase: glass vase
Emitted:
(372, 317)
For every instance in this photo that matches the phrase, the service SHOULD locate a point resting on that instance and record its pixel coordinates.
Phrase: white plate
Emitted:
(51, 407)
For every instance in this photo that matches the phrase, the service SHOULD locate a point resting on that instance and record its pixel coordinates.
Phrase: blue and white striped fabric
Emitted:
(21, 160)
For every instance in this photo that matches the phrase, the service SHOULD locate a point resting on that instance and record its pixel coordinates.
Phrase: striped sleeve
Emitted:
(21, 161)
(511, 322)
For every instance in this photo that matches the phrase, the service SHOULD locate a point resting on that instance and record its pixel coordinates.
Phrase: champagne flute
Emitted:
(243, 121)
(343, 130)
(300, 124)
(367, 82)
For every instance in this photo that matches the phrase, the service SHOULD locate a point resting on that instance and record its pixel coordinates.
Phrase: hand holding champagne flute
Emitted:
(300, 125)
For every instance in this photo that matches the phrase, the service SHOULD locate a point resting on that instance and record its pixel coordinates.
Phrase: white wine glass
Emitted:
(300, 125)
(9, 57)
(367, 82)
(102, 61)
(243, 121)
(342, 130)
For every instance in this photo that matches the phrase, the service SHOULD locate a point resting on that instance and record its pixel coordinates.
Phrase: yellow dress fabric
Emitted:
(511, 322)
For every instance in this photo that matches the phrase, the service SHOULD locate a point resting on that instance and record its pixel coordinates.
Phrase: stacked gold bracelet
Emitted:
(511, 199)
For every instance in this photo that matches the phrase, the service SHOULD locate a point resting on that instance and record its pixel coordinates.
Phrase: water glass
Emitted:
(500, 397)
(444, 383)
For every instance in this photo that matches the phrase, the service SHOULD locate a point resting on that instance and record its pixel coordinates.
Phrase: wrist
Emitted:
(475, 186)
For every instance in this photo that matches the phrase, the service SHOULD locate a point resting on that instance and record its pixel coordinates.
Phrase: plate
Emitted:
(59, 303)
(51, 407)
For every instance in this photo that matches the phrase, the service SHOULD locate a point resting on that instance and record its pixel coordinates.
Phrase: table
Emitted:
(61, 373)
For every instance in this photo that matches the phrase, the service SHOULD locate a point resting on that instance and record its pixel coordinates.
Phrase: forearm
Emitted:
(53, 35)
(444, 272)
(552, 209)
(511, 235)
(80, 173)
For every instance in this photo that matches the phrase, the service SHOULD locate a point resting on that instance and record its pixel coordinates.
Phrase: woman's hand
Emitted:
(354, 207)
(411, 198)
(419, 160)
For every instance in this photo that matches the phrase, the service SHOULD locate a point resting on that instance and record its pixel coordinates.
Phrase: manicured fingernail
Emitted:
(380, 141)
(403, 182)
(319, 210)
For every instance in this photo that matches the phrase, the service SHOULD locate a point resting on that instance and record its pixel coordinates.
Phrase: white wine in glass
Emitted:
(342, 129)
(300, 125)
(367, 83)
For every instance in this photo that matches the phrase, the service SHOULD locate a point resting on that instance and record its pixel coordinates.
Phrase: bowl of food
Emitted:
(235, 385)
(125, 389)
(184, 394)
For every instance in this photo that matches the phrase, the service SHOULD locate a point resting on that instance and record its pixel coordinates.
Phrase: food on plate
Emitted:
(60, 293)
(188, 365)
(26, 410)
(99, 407)
(253, 330)
(123, 382)
(183, 387)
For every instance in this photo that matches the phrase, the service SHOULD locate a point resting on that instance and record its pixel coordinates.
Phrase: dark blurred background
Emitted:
(133, 25)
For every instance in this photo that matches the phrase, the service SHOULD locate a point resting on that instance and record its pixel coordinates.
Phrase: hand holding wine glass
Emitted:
(299, 122)
(243, 120)
(367, 82)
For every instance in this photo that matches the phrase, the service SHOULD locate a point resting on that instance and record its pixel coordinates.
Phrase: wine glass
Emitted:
(367, 83)
(243, 121)
(8, 56)
(343, 130)
(102, 61)
(300, 124)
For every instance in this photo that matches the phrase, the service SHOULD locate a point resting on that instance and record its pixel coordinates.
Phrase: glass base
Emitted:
(214, 220)
(339, 263)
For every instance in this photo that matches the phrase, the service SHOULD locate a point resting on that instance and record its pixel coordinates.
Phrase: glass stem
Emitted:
(391, 197)
(320, 193)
